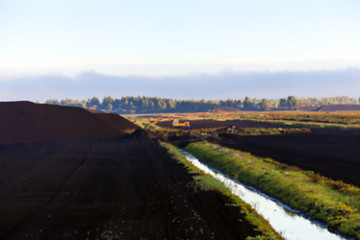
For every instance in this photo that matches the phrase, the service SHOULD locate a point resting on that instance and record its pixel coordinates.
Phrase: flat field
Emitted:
(110, 189)
(311, 144)
(284, 118)
(327, 143)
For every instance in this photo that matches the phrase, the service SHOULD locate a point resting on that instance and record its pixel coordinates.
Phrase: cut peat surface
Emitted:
(108, 189)
(30, 122)
(331, 152)
(122, 125)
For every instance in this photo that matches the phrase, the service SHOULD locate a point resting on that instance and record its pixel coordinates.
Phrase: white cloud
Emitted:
(161, 70)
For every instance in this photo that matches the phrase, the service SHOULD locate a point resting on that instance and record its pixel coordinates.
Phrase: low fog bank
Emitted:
(217, 86)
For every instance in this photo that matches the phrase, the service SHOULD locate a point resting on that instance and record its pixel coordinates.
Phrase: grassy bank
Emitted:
(206, 182)
(333, 202)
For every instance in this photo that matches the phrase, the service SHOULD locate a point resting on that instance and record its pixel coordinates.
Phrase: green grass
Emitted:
(333, 202)
(206, 182)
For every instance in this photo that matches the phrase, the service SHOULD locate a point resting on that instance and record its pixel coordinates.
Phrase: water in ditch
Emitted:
(288, 223)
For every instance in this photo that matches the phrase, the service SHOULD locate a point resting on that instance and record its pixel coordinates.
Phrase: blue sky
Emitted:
(163, 37)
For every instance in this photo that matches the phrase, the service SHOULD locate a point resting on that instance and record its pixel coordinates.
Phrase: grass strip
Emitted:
(206, 182)
(333, 202)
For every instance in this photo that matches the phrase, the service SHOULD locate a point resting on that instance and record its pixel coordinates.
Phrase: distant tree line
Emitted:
(126, 105)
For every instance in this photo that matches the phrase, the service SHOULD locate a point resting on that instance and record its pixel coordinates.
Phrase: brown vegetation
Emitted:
(226, 109)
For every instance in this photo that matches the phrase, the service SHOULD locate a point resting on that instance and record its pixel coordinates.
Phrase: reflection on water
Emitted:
(289, 223)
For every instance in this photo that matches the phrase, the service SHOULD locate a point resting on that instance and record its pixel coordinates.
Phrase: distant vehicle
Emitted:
(175, 123)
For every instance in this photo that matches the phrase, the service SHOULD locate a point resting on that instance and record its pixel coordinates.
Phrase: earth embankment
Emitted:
(30, 122)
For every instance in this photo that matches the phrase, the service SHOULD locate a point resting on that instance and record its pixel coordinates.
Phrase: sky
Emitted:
(63, 39)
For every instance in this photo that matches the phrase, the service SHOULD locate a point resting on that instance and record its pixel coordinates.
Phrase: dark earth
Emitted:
(332, 152)
(88, 178)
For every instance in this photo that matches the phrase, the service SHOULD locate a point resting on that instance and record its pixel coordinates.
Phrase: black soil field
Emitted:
(122, 125)
(68, 173)
(110, 189)
(333, 153)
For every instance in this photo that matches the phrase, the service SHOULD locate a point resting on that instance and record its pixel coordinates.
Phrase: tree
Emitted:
(52, 101)
(282, 103)
(264, 105)
(248, 104)
(93, 103)
(292, 102)
(107, 103)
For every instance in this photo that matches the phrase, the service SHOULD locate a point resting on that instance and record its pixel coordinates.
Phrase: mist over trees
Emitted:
(130, 105)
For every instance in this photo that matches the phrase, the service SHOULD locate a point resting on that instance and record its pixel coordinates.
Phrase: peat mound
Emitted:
(121, 124)
(142, 135)
(29, 122)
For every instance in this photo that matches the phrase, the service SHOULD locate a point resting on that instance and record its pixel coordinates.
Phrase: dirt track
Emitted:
(123, 189)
